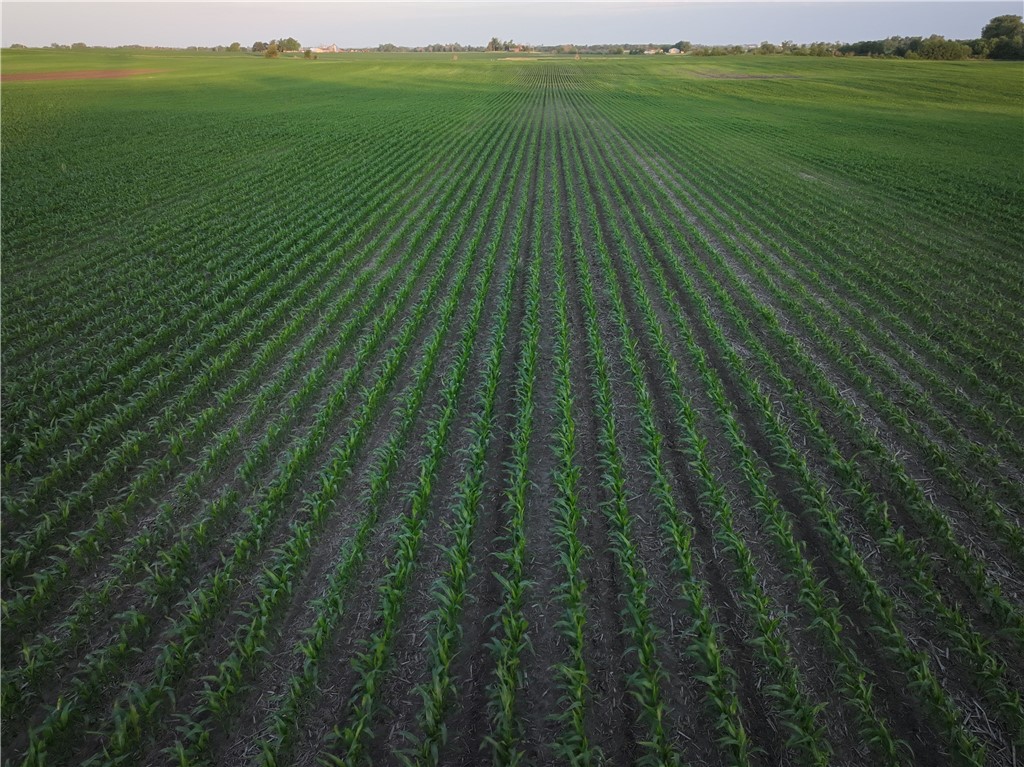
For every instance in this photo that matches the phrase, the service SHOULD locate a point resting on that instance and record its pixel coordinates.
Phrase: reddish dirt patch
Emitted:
(80, 74)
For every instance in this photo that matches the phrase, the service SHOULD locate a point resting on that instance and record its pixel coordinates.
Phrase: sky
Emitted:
(181, 23)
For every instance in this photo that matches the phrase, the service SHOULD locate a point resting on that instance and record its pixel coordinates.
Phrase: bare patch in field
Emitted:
(79, 74)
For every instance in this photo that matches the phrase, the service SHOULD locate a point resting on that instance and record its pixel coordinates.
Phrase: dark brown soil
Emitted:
(79, 74)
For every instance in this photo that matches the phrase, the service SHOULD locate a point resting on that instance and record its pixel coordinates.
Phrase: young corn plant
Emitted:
(350, 740)
(319, 505)
(450, 590)
(808, 735)
(964, 745)
(293, 554)
(331, 605)
(706, 646)
(509, 638)
(172, 664)
(926, 512)
(574, 745)
(646, 683)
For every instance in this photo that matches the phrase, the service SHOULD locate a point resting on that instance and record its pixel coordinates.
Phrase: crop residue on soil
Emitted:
(81, 74)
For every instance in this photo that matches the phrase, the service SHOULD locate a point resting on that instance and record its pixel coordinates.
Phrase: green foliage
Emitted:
(1010, 47)
(1001, 38)
(938, 48)
(1003, 26)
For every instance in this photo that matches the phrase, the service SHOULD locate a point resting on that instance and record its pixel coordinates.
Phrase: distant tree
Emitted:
(289, 44)
(902, 46)
(494, 44)
(980, 48)
(272, 51)
(235, 47)
(767, 47)
(1008, 48)
(1003, 26)
(15, 46)
(259, 47)
(387, 47)
(864, 48)
(938, 48)
(308, 54)
(1005, 37)
(716, 50)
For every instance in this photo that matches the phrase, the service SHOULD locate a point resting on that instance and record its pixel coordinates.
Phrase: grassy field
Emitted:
(646, 410)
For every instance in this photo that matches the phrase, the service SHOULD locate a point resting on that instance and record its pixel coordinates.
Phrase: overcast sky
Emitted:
(362, 24)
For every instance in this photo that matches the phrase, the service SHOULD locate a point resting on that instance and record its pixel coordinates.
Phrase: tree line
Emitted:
(1001, 38)
(273, 48)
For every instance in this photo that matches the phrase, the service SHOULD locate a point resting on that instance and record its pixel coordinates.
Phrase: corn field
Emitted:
(514, 412)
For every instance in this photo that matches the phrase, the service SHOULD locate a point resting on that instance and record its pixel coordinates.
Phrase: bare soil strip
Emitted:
(78, 74)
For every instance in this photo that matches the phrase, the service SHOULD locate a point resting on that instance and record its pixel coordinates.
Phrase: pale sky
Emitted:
(363, 24)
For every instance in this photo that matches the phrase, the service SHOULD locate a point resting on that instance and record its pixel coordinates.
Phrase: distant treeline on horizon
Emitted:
(1001, 38)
